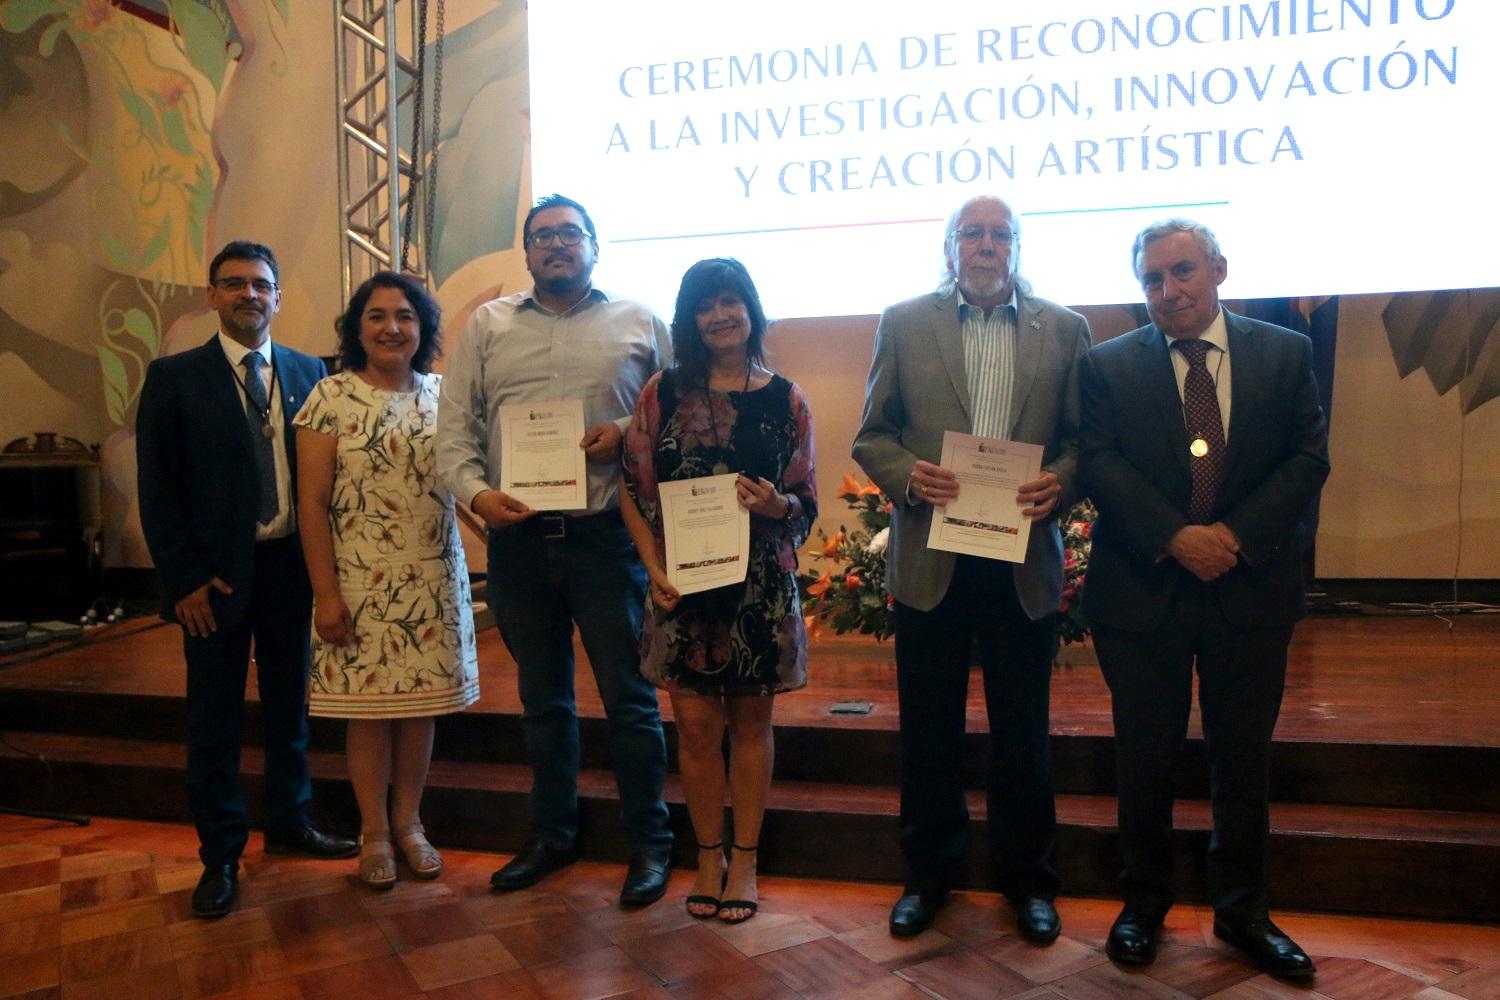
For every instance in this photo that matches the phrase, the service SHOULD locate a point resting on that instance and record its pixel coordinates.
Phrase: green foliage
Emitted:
(849, 595)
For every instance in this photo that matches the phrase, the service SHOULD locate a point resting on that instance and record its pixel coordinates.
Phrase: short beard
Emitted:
(988, 290)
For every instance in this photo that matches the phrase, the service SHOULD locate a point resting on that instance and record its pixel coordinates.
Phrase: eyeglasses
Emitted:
(236, 285)
(568, 236)
(973, 234)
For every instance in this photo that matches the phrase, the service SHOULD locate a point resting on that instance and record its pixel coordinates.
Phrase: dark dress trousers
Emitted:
(199, 490)
(1153, 619)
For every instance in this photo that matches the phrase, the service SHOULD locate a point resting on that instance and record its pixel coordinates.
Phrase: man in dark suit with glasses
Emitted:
(216, 464)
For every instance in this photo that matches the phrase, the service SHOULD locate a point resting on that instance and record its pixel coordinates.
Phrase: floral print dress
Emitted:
(399, 559)
(749, 638)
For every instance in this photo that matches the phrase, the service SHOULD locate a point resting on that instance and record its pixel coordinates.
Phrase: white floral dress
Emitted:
(400, 562)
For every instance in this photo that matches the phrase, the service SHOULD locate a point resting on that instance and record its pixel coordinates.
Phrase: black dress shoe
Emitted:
(1133, 938)
(646, 879)
(1270, 949)
(311, 841)
(914, 913)
(535, 860)
(214, 895)
(1037, 919)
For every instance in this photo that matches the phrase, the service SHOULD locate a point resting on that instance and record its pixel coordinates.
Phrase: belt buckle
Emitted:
(554, 526)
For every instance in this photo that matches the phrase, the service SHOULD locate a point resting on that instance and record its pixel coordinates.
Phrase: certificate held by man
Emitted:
(541, 463)
(707, 533)
(985, 519)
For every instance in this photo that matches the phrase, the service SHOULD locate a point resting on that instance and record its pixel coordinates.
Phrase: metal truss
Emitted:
(376, 87)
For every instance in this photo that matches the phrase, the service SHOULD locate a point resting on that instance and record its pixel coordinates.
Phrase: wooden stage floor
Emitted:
(1402, 680)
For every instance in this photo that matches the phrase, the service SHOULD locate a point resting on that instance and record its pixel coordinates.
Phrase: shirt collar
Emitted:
(1217, 334)
(964, 303)
(529, 299)
(236, 351)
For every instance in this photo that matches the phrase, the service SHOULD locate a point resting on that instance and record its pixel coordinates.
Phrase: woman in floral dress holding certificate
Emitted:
(395, 632)
(720, 654)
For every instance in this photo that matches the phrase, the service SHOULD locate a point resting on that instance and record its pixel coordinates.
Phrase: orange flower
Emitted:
(849, 487)
(869, 489)
(814, 627)
(831, 547)
(852, 582)
(819, 586)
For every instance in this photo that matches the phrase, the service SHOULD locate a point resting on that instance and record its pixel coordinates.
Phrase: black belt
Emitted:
(555, 527)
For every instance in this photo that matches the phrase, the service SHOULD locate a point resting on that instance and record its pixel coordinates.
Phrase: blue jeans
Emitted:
(538, 587)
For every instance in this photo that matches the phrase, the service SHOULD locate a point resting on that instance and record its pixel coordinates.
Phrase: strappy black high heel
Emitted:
(739, 904)
(701, 899)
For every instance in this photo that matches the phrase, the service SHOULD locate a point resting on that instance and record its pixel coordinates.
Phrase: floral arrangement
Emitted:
(849, 594)
(1077, 525)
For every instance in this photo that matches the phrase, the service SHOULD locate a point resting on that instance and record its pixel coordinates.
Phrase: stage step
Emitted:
(1395, 775)
(1439, 864)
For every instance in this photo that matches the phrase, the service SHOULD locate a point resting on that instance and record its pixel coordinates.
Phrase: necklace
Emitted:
(721, 468)
(266, 430)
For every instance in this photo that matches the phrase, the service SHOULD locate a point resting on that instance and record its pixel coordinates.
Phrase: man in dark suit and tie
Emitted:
(216, 464)
(1202, 443)
(983, 356)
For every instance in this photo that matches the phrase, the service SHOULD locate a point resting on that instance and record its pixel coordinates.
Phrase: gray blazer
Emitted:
(917, 390)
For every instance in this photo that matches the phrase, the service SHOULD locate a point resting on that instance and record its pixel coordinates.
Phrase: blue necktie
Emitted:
(258, 413)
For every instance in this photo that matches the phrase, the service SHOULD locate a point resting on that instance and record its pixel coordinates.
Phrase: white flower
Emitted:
(878, 543)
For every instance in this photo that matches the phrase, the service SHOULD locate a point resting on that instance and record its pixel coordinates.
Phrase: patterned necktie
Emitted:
(265, 453)
(1200, 406)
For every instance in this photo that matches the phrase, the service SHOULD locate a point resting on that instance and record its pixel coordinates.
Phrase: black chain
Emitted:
(420, 86)
(430, 181)
(428, 173)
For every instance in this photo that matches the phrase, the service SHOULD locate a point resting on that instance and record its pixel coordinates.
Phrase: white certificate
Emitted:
(708, 533)
(985, 520)
(540, 461)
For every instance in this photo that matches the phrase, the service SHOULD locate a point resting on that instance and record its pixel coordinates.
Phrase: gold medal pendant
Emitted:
(267, 431)
(1198, 447)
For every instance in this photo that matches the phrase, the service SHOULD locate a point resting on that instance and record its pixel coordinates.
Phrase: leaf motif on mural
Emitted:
(140, 326)
(116, 384)
(145, 140)
(20, 15)
(205, 37)
(140, 111)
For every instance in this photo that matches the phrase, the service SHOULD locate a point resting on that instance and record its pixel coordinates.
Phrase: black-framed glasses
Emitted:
(568, 236)
(973, 234)
(236, 285)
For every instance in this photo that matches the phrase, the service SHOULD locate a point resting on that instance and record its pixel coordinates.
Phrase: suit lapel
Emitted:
(291, 384)
(1028, 357)
(947, 330)
(224, 399)
(1244, 369)
(1161, 385)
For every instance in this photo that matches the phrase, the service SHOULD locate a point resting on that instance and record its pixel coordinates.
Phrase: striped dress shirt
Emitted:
(989, 365)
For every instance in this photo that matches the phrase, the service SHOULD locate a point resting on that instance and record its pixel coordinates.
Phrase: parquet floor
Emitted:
(101, 912)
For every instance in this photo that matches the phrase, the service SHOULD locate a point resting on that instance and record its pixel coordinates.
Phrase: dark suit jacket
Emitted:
(918, 389)
(196, 474)
(1133, 460)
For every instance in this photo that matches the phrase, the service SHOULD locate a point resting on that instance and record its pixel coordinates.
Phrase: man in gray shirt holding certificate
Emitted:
(562, 341)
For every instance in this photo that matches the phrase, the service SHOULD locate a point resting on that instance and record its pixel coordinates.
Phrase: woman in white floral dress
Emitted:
(394, 643)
